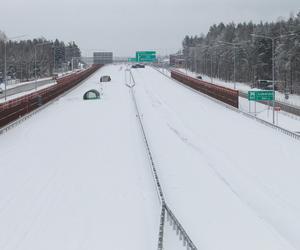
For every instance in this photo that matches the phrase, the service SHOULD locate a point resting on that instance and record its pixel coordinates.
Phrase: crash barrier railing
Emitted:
(179, 229)
(283, 106)
(223, 94)
(187, 242)
(18, 107)
(161, 228)
(153, 169)
(282, 130)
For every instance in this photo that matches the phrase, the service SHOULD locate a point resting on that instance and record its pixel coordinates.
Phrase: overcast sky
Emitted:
(124, 26)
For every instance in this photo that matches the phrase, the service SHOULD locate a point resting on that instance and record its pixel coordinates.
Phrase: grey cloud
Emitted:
(125, 26)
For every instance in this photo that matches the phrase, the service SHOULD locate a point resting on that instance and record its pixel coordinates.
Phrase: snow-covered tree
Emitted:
(21, 57)
(253, 56)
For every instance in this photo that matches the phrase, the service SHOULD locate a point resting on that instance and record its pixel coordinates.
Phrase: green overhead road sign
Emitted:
(267, 95)
(146, 56)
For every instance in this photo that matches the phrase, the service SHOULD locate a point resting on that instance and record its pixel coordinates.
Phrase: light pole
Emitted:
(273, 62)
(211, 58)
(54, 57)
(5, 64)
(70, 54)
(35, 46)
(77, 61)
(234, 59)
(54, 54)
(195, 61)
(211, 65)
(207, 47)
(5, 81)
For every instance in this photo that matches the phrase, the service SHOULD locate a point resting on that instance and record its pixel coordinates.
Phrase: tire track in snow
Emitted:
(39, 198)
(186, 134)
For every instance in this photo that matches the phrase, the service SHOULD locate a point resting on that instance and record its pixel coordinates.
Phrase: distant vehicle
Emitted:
(55, 76)
(265, 84)
(138, 65)
(199, 77)
(105, 79)
(1, 90)
(269, 87)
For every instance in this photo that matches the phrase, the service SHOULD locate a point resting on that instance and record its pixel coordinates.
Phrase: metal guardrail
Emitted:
(153, 169)
(179, 229)
(187, 242)
(282, 130)
(161, 228)
(284, 106)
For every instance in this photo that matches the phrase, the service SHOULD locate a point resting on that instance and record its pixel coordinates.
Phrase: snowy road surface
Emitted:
(25, 88)
(76, 175)
(232, 182)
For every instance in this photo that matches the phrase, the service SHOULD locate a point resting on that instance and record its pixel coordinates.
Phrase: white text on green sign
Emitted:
(267, 95)
(145, 56)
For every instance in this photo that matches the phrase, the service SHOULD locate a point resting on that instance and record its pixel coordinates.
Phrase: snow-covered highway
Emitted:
(232, 182)
(76, 175)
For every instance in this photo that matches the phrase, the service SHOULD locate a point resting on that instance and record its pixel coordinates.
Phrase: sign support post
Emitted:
(261, 95)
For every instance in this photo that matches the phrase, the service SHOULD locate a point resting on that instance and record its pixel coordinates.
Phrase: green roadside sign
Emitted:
(133, 59)
(146, 56)
(264, 95)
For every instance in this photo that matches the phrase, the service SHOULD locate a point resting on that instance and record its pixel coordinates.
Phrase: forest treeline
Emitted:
(48, 56)
(242, 45)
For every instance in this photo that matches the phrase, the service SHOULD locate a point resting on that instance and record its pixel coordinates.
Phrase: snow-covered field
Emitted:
(76, 175)
(232, 182)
